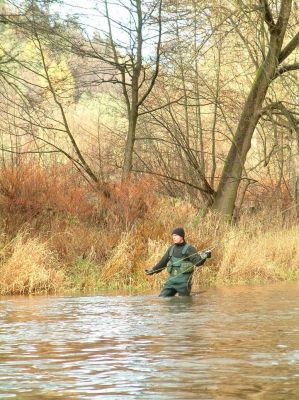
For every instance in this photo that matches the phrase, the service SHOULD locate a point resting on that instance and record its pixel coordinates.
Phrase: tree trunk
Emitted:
(129, 148)
(230, 179)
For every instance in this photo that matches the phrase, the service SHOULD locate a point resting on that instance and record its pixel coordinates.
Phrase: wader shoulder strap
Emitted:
(185, 248)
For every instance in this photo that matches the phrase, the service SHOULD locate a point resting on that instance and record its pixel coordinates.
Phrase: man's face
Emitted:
(177, 239)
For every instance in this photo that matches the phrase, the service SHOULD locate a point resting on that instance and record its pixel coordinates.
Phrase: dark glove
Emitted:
(206, 254)
(149, 271)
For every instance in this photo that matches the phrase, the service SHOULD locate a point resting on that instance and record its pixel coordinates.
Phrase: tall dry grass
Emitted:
(118, 270)
(258, 258)
(58, 234)
(28, 266)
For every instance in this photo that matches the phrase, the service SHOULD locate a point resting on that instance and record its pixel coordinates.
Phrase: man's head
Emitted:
(178, 235)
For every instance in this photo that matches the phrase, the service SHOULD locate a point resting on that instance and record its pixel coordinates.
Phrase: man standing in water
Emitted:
(180, 259)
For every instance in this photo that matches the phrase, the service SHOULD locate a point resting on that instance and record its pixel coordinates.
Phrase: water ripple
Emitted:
(232, 343)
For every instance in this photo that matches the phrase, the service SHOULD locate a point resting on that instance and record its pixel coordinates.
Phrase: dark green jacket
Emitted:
(191, 255)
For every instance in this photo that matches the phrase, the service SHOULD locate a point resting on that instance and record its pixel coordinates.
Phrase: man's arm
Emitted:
(197, 258)
(160, 265)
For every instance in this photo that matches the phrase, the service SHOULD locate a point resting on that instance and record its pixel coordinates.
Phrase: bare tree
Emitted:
(121, 61)
(30, 90)
(133, 69)
(271, 67)
(129, 52)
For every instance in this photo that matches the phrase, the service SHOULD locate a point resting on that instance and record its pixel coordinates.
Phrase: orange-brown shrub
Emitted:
(78, 220)
(31, 189)
(31, 192)
(83, 241)
(130, 200)
(270, 193)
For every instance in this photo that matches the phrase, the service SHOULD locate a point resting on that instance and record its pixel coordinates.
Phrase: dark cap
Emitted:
(179, 231)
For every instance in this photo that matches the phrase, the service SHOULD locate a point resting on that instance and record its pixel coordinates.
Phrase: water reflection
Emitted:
(232, 343)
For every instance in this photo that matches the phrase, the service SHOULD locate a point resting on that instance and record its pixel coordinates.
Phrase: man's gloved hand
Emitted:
(149, 271)
(208, 253)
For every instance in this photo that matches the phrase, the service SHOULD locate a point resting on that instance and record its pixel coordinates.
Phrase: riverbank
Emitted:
(31, 265)
(59, 238)
(70, 261)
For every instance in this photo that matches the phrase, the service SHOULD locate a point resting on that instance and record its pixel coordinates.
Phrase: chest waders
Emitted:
(179, 269)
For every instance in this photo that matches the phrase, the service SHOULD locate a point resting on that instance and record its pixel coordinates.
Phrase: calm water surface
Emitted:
(233, 343)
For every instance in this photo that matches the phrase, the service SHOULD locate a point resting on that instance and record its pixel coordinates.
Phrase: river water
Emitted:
(232, 343)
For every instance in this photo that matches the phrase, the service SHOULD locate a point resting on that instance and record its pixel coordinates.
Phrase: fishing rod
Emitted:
(210, 249)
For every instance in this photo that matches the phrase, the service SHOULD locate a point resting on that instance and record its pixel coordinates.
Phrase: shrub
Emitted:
(31, 193)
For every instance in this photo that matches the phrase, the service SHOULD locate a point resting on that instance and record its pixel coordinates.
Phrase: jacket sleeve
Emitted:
(162, 263)
(194, 256)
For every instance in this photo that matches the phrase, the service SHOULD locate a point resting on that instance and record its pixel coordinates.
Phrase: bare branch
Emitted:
(286, 68)
(157, 63)
(174, 179)
(268, 17)
(289, 48)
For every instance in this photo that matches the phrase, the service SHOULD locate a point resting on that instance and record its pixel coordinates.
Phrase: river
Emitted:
(228, 343)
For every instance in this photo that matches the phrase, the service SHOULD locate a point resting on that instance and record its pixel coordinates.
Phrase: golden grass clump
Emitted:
(28, 266)
(119, 267)
(262, 257)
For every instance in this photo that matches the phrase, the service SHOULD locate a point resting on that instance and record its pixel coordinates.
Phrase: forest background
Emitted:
(122, 120)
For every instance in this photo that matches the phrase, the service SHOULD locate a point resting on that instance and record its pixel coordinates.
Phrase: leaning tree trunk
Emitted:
(230, 179)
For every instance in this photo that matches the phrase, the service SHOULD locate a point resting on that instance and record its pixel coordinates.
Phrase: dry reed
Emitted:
(266, 257)
(29, 266)
(118, 270)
